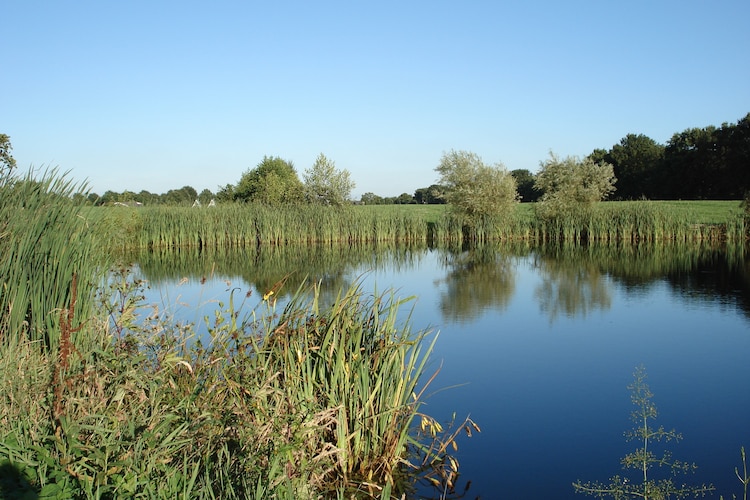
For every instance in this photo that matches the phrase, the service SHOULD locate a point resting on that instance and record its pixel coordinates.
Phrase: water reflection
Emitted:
(263, 268)
(681, 309)
(570, 288)
(477, 279)
(574, 280)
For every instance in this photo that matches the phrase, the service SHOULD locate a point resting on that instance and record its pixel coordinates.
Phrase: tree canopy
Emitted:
(633, 160)
(324, 184)
(697, 163)
(474, 189)
(572, 184)
(525, 184)
(272, 182)
(7, 162)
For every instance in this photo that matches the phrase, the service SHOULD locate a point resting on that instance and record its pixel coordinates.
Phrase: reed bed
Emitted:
(634, 222)
(47, 253)
(242, 226)
(245, 226)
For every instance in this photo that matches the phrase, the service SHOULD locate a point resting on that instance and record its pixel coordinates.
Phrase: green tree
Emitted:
(274, 181)
(147, 197)
(109, 197)
(325, 185)
(636, 160)
(644, 459)
(206, 196)
(225, 193)
(692, 164)
(186, 195)
(371, 199)
(403, 199)
(571, 185)
(475, 190)
(433, 195)
(7, 162)
(525, 182)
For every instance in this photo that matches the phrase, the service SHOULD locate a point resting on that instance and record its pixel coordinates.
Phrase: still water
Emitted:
(538, 345)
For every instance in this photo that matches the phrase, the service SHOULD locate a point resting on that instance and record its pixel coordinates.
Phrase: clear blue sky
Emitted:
(157, 95)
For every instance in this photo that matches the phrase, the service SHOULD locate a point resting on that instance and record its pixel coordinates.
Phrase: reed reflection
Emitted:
(265, 268)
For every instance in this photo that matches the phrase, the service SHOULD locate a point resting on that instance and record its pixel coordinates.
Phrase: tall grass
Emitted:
(634, 222)
(241, 226)
(46, 244)
(317, 399)
(245, 226)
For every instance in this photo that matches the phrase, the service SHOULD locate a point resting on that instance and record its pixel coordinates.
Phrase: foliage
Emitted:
(324, 184)
(45, 241)
(7, 162)
(369, 198)
(697, 163)
(744, 478)
(315, 400)
(643, 459)
(184, 196)
(240, 226)
(475, 190)
(434, 194)
(525, 182)
(274, 181)
(571, 185)
(635, 160)
(710, 162)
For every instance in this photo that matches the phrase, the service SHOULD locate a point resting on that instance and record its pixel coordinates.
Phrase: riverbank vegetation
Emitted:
(102, 397)
(246, 226)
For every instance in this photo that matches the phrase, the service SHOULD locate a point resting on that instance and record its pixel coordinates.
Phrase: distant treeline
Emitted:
(709, 163)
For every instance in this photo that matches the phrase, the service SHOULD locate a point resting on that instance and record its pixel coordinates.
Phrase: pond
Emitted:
(538, 345)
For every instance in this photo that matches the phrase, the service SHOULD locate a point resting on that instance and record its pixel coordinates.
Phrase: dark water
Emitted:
(538, 345)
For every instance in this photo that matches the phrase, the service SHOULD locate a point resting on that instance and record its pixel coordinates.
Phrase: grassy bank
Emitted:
(102, 397)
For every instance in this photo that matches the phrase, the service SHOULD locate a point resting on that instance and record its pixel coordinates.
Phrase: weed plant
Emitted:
(644, 459)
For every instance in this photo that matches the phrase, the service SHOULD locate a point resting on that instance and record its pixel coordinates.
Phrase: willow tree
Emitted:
(571, 185)
(476, 190)
(325, 184)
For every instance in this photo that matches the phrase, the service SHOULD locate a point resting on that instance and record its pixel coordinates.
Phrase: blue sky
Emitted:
(157, 95)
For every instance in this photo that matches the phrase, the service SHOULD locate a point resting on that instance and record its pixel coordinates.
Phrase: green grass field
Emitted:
(696, 212)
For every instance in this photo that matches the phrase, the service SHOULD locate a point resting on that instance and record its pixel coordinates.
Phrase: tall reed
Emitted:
(317, 399)
(45, 243)
(242, 226)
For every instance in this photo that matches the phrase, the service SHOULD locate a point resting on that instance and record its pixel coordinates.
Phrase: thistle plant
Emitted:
(644, 459)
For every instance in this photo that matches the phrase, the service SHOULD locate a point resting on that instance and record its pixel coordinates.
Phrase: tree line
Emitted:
(697, 163)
